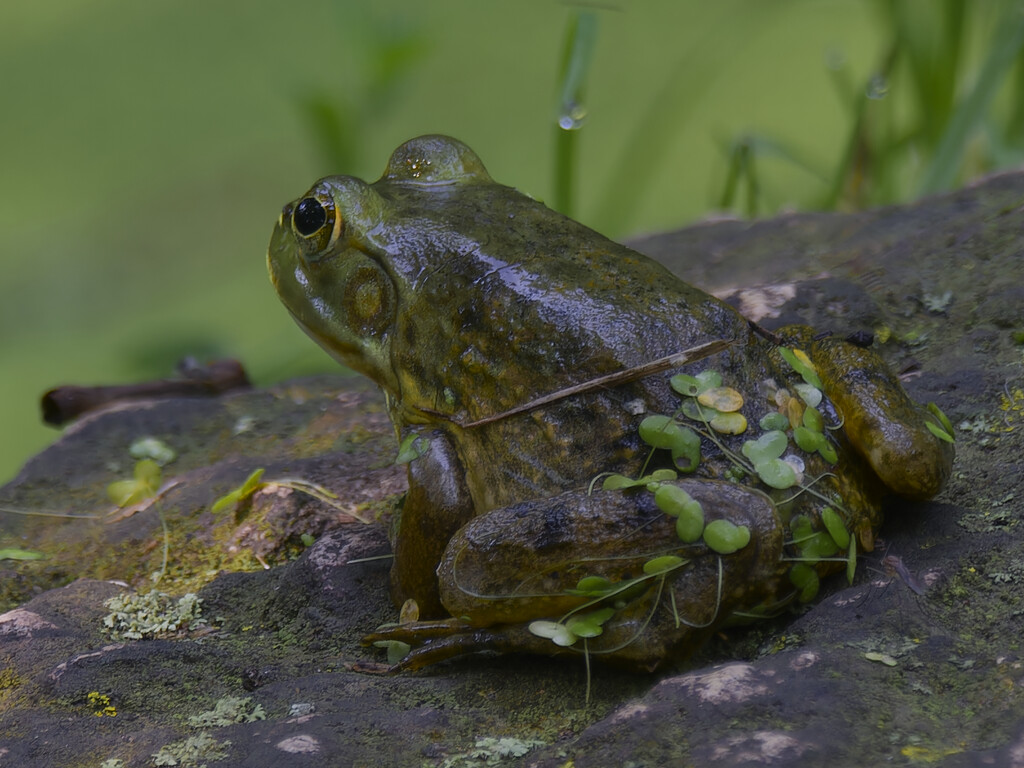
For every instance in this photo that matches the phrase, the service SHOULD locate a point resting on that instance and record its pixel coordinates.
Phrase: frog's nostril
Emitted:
(309, 217)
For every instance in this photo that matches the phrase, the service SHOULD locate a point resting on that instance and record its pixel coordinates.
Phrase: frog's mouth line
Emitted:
(660, 365)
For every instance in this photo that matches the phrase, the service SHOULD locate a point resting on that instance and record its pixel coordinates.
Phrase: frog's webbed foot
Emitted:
(434, 641)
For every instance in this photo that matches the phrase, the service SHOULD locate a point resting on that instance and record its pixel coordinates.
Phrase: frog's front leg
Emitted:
(611, 560)
(437, 504)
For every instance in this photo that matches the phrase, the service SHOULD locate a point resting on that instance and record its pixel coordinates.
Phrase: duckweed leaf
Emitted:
(725, 537)
(660, 431)
(685, 385)
(796, 463)
(558, 633)
(589, 624)
(662, 564)
(774, 421)
(805, 579)
(729, 423)
(686, 453)
(690, 524)
(671, 499)
(776, 473)
(810, 395)
(795, 411)
(694, 410)
(770, 445)
(592, 586)
(616, 482)
(659, 476)
(835, 527)
(801, 527)
(802, 364)
(708, 379)
(828, 452)
(724, 399)
(397, 650)
(818, 546)
(411, 448)
(813, 420)
(808, 440)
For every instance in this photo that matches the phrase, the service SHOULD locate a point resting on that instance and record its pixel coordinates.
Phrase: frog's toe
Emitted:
(434, 641)
(417, 631)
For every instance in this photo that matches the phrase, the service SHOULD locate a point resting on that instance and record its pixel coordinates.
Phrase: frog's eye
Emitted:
(316, 221)
(309, 217)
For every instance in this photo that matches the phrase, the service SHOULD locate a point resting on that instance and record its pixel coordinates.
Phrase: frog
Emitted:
(519, 353)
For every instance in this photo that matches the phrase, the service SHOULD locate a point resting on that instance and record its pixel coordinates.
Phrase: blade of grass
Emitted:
(849, 175)
(970, 113)
(1014, 131)
(931, 37)
(742, 154)
(576, 58)
(674, 103)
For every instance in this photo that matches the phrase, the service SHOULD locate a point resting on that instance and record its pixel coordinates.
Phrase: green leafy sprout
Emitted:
(254, 482)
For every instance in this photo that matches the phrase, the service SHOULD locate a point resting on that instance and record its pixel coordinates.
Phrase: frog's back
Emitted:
(508, 293)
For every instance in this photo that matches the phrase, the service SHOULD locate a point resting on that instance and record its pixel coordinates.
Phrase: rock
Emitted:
(919, 662)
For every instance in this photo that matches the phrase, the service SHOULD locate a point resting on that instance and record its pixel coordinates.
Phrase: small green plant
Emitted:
(254, 482)
(144, 484)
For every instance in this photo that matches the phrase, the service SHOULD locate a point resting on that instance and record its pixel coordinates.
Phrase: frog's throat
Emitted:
(660, 365)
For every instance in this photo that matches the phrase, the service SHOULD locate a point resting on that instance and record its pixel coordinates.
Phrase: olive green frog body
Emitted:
(511, 344)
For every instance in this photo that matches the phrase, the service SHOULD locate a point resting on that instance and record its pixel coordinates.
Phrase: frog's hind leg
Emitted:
(881, 421)
(603, 573)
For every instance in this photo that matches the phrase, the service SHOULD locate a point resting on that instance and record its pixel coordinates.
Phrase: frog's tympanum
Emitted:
(523, 355)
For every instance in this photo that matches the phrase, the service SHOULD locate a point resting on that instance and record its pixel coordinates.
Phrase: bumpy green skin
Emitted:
(464, 299)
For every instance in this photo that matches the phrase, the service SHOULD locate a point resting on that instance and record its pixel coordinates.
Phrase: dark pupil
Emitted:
(309, 216)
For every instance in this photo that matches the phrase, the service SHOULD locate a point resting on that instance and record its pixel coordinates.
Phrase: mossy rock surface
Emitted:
(869, 674)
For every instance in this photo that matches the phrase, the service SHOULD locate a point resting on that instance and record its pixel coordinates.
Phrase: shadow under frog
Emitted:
(517, 350)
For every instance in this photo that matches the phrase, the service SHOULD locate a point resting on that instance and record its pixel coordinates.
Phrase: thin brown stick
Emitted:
(610, 380)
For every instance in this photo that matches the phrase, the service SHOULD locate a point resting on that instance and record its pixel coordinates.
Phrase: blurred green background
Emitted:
(147, 148)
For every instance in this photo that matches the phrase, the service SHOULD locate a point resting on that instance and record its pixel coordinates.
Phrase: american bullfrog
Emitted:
(523, 355)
